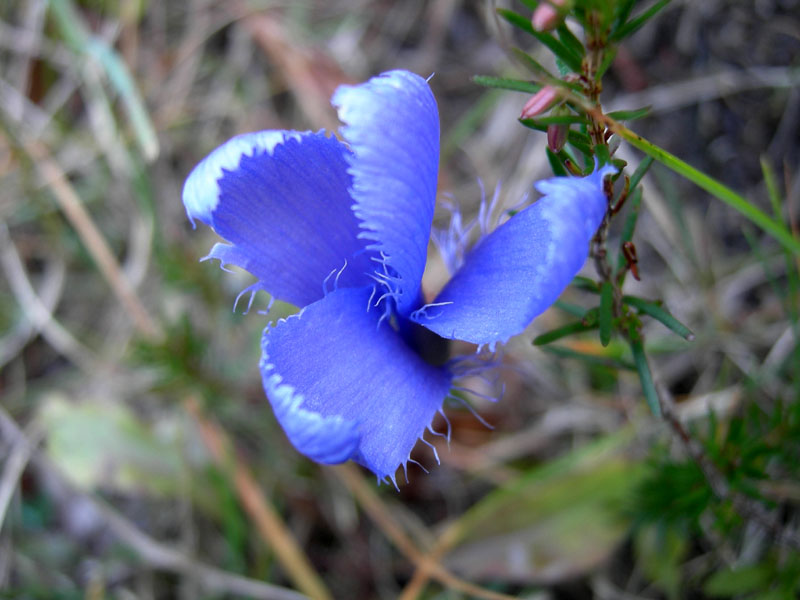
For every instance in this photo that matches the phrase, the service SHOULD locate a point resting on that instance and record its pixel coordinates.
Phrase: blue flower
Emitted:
(341, 230)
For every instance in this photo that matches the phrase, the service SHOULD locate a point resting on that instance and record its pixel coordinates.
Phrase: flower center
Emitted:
(431, 347)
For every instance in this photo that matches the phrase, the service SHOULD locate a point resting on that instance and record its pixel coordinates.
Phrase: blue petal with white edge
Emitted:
(517, 271)
(344, 385)
(392, 126)
(281, 199)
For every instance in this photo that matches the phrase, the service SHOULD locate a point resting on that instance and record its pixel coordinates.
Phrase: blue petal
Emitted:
(392, 126)
(282, 200)
(345, 386)
(521, 268)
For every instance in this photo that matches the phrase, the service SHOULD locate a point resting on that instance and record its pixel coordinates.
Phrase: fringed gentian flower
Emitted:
(341, 230)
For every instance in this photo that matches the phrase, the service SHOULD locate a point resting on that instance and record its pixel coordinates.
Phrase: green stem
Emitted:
(712, 186)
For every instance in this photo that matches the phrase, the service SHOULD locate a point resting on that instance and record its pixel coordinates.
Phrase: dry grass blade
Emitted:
(422, 574)
(427, 564)
(70, 203)
(269, 525)
(311, 74)
(37, 311)
(154, 553)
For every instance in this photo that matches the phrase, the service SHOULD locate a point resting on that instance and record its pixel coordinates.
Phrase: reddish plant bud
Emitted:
(545, 18)
(548, 15)
(539, 102)
(629, 252)
(556, 136)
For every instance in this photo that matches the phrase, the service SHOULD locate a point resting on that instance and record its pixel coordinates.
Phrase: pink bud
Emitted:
(547, 15)
(539, 102)
(556, 136)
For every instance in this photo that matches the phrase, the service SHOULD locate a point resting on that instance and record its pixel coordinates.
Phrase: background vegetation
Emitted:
(140, 458)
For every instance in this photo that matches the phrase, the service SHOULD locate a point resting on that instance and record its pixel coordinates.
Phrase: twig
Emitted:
(423, 573)
(427, 564)
(153, 552)
(269, 525)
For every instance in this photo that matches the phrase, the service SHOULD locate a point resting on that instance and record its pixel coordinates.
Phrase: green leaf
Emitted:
(734, 582)
(659, 314)
(103, 444)
(514, 85)
(641, 170)
(620, 164)
(674, 492)
(586, 284)
(580, 142)
(608, 58)
(69, 23)
(570, 41)
(533, 65)
(559, 170)
(563, 68)
(624, 8)
(560, 50)
(567, 516)
(516, 19)
(591, 359)
(605, 316)
(548, 78)
(606, 10)
(791, 291)
(774, 228)
(645, 376)
(96, 49)
(562, 332)
(533, 124)
(602, 154)
(637, 22)
(661, 551)
(630, 115)
(581, 137)
(772, 187)
(571, 309)
(541, 123)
